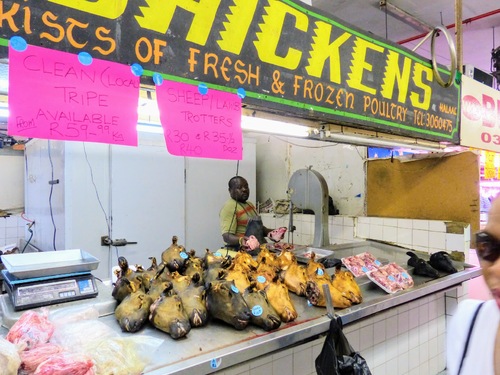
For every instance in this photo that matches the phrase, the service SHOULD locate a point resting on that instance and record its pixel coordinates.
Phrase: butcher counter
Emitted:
(219, 346)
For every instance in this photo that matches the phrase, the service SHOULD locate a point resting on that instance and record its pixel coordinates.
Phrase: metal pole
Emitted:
(458, 36)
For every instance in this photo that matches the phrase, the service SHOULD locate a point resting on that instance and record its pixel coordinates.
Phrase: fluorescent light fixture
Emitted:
(149, 127)
(263, 125)
(360, 140)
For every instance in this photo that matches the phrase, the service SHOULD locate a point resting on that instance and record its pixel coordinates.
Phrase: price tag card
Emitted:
(200, 122)
(58, 95)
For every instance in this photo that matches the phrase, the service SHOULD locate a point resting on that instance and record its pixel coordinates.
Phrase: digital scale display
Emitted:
(29, 293)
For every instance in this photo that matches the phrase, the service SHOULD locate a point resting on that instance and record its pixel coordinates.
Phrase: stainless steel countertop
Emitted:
(221, 346)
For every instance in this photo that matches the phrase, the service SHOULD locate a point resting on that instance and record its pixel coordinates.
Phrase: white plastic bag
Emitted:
(73, 314)
(82, 336)
(9, 358)
(124, 355)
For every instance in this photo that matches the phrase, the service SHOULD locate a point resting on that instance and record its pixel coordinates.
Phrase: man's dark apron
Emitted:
(255, 227)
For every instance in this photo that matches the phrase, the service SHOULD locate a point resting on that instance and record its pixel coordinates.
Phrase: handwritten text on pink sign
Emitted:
(200, 125)
(54, 96)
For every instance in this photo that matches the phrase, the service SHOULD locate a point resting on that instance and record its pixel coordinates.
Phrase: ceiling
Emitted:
(400, 21)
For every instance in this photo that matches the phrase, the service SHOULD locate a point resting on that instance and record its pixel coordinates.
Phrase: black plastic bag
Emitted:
(337, 356)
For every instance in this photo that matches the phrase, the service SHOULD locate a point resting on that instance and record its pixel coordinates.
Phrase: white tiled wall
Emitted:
(12, 229)
(421, 235)
(406, 340)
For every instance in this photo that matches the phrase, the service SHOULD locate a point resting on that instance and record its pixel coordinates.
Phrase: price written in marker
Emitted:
(200, 123)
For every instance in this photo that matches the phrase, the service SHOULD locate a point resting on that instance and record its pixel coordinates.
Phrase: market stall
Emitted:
(219, 346)
(213, 53)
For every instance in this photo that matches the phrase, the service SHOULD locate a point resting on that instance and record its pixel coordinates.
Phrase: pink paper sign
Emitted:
(52, 95)
(204, 125)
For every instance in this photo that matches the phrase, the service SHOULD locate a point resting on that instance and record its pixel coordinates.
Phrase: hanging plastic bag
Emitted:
(337, 356)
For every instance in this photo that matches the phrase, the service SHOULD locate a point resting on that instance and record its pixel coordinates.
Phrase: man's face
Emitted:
(240, 191)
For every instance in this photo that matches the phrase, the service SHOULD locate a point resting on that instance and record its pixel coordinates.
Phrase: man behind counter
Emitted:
(240, 224)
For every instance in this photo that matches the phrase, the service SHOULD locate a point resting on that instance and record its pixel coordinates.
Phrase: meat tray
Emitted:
(361, 264)
(49, 263)
(303, 253)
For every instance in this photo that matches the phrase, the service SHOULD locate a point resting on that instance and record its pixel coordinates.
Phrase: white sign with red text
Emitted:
(480, 117)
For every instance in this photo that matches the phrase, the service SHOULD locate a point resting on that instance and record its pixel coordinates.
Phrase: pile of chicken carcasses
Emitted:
(185, 291)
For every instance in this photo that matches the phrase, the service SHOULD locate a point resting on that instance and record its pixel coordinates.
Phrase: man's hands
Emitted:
(249, 243)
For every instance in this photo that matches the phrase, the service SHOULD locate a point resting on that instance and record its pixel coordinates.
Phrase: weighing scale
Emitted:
(48, 290)
(46, 278)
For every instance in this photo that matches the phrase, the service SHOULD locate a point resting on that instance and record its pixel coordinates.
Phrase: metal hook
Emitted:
(330, 310)
(453, 55)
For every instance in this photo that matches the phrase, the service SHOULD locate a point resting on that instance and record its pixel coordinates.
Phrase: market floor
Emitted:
(477, 287)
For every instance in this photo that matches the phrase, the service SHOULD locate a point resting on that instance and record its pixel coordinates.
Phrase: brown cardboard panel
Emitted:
(434, 188)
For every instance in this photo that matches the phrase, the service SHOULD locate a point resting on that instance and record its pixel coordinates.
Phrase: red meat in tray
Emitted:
(391, 278)
(361, 263)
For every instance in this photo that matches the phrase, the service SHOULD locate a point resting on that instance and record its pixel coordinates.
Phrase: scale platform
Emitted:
(48, 290)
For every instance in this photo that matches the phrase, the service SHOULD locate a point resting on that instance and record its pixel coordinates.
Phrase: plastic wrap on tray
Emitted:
(360, 264)
(391, 278)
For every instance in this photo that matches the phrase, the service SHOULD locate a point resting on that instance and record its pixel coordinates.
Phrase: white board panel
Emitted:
(147, 199)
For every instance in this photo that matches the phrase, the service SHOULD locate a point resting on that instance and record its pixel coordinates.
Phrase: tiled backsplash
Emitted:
(406, 340)
(12, 230)
(422, 235)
